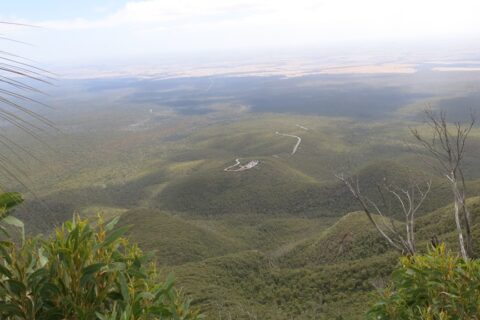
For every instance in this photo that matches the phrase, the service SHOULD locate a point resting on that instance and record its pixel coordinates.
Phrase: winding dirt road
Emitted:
(301, 127)
(253, 163)
(299, 140)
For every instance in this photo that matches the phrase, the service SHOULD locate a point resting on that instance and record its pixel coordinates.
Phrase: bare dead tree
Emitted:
(410, 200)
(446, 144)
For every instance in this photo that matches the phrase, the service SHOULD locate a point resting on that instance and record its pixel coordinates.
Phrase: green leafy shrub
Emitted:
(438, 285)
(84, 273)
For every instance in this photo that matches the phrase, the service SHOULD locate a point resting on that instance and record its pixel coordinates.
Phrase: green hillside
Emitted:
(255, 283)
(277, 187)
(174, 240)
(326, 274)
(179, 239)
(352, 237)
(270, 188)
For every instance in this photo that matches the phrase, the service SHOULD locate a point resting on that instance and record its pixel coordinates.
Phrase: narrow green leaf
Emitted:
(92, 268)
(10, 220)
(10, 309)
(42, 258)
(10, 199)
(112, 224)
(112, 237)
(16, 287)
(169, 281)
(5, 271)
(124, 288)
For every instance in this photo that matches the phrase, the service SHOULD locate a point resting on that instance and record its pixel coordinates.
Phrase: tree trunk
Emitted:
(459, 230)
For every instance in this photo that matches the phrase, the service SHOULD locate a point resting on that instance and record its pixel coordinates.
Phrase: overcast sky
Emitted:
(91, 30)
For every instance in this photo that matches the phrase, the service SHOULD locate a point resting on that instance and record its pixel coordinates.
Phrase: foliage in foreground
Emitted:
(84, 273)
(438, 285)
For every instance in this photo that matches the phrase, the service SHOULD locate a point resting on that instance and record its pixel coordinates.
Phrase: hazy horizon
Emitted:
(120, 33)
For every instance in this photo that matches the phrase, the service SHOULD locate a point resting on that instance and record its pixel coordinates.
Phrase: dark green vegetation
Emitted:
(438, 285)
(83, 273)
(283, 240)
(329, 273)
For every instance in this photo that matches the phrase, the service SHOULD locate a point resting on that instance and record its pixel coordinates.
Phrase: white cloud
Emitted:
(188, 25)
(161, 12)
(377, 16)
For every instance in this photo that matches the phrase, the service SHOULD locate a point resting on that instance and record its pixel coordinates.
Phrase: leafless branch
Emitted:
(410, 200)
(446, 146)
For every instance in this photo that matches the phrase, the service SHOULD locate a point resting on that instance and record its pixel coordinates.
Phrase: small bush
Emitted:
(84, 273)
(438, 285)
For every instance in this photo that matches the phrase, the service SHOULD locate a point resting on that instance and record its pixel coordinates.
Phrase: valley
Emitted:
(230, 179)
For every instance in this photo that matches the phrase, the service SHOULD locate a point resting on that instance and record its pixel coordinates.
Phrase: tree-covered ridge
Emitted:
(332, 273)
